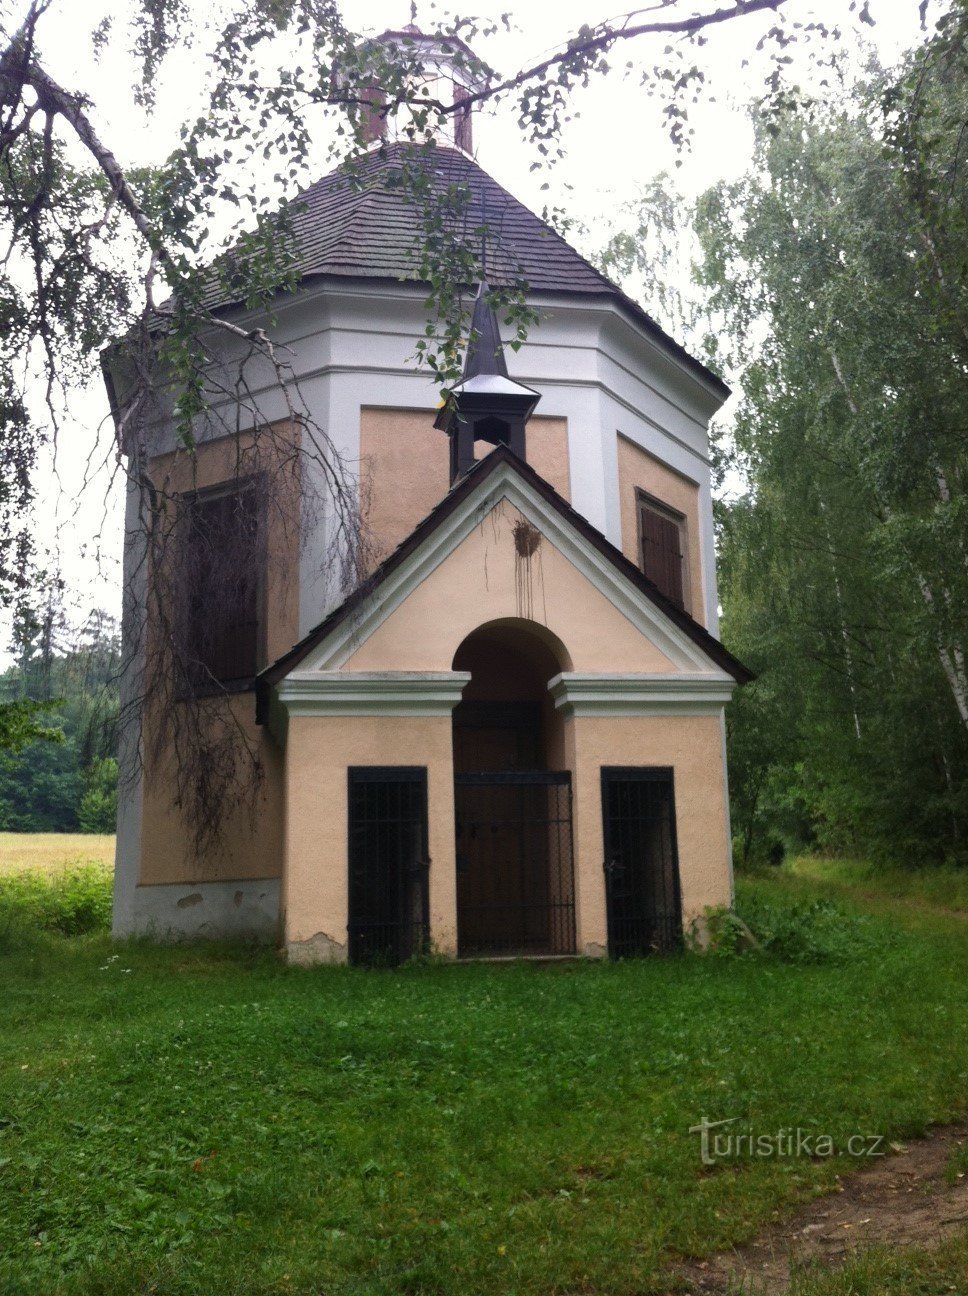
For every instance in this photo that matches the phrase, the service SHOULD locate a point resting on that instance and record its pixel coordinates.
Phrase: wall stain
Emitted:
(527, 542)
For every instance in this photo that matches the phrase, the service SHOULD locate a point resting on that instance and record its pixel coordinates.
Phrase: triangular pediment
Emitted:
(504, 545)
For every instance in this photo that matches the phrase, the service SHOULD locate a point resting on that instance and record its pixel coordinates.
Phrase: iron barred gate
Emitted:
(515, 878)
(388, 864)
(641, 861)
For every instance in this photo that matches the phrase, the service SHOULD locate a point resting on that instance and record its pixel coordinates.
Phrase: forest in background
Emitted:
(828, 287)
(832, 282)
(67, 678)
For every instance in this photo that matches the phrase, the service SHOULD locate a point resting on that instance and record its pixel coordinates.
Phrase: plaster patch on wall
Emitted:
(595, 950)
(697, 931)
(318, 949)
(173, 912)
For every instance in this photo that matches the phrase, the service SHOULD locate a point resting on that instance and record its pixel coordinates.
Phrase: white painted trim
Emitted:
(581, 693)
(729, 820)
(425, 396)
(505, 483)
(609, 312)
(127, 855)
(363, 693)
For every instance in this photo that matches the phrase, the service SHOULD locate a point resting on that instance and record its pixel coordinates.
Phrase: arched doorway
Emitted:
(515, 878)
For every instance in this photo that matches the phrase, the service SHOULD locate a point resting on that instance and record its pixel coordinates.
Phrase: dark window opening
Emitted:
(662, 548)
(221, 569)
(493, 430)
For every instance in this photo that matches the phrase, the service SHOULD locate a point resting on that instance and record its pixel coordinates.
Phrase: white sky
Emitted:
(614, 145)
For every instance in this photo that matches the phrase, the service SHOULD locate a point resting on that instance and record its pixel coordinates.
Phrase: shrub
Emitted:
(814, 931)
(720, 932)
(97, 811)
(76, 901)
(766, 851)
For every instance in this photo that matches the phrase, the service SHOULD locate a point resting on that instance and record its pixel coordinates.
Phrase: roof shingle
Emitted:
(360, 224)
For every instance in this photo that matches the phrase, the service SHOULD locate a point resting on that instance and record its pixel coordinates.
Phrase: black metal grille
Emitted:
(641, 861)
(388, 864)
(515, 880)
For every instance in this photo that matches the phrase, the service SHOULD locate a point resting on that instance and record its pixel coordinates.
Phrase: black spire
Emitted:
(487, 404)
(485, 352)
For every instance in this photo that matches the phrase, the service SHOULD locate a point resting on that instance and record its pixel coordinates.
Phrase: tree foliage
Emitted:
(60, 775)
(839, 266)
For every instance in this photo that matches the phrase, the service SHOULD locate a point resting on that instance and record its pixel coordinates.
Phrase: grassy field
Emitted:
(206, 1120)
(945, 887)
(52, 852)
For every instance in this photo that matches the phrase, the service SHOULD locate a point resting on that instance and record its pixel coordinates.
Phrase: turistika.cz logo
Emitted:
(718, 1142)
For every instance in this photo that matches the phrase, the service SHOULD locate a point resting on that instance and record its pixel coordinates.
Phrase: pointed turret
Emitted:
(485, 351)
(486, 405)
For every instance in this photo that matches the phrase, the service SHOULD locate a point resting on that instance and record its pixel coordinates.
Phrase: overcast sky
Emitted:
(614, 145)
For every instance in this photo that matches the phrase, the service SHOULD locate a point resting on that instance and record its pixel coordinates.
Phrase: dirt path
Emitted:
(903, 1200)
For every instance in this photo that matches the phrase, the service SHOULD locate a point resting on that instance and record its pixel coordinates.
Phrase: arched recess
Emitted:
(506, 719)
(515, 880)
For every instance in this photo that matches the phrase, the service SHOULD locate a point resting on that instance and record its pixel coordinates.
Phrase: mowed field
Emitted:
(203, 1119)
(53, 852)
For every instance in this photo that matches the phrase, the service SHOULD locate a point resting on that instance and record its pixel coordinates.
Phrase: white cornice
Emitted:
(364, 693)
(423, 390)
(578, 693)
(604, 313)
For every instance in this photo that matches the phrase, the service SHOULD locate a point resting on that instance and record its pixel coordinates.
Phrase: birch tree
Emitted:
(839, 266)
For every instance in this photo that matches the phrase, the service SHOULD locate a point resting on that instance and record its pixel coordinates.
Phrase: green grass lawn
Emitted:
(945, 887)
(205, 1120)
(885, 1271)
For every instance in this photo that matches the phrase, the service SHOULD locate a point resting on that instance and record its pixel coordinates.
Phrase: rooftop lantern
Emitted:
(444, 70)
(486, 405)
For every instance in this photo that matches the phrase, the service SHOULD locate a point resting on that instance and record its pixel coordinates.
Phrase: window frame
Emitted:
(255, 483)
(644, 501)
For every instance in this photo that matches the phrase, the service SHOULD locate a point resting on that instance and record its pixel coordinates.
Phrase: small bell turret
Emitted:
(486, 405)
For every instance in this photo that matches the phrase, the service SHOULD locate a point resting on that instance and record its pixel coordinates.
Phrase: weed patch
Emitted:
(74, 902)
(806, 931)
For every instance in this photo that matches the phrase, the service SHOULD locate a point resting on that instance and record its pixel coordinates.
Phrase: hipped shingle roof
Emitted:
(358, 223)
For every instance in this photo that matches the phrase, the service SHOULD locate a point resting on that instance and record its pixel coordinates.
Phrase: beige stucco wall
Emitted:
(251, 834)
(485, 579)
(639, 470)
(251, 837)
(692, 745)
(319, 751)
(405, 468)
